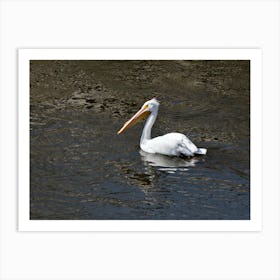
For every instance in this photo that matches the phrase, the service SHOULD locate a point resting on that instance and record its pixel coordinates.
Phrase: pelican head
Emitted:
(150, 106)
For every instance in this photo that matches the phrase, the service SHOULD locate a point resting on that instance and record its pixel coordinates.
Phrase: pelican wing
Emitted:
(186, 147)
(172, 144)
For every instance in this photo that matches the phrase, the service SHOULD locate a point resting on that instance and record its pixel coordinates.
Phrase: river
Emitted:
(81, 169)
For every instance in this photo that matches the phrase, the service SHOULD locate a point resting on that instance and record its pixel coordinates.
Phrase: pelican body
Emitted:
(170, 144)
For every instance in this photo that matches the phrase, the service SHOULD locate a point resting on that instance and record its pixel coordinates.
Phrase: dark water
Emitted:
(81, 169)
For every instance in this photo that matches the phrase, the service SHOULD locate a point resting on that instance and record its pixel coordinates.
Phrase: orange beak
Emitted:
(143, 112)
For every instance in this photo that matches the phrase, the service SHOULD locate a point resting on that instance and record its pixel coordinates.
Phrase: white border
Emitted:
(254, 224)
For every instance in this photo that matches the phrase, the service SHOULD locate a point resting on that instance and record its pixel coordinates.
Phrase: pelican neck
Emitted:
(146, 134)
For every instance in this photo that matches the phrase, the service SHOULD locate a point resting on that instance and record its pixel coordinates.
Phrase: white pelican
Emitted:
(170, 144)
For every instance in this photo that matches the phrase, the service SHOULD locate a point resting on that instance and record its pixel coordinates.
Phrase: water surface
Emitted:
(81, 169)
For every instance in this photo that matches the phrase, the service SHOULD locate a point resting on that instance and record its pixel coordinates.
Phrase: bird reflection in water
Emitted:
(155, 166)
(166, 163)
